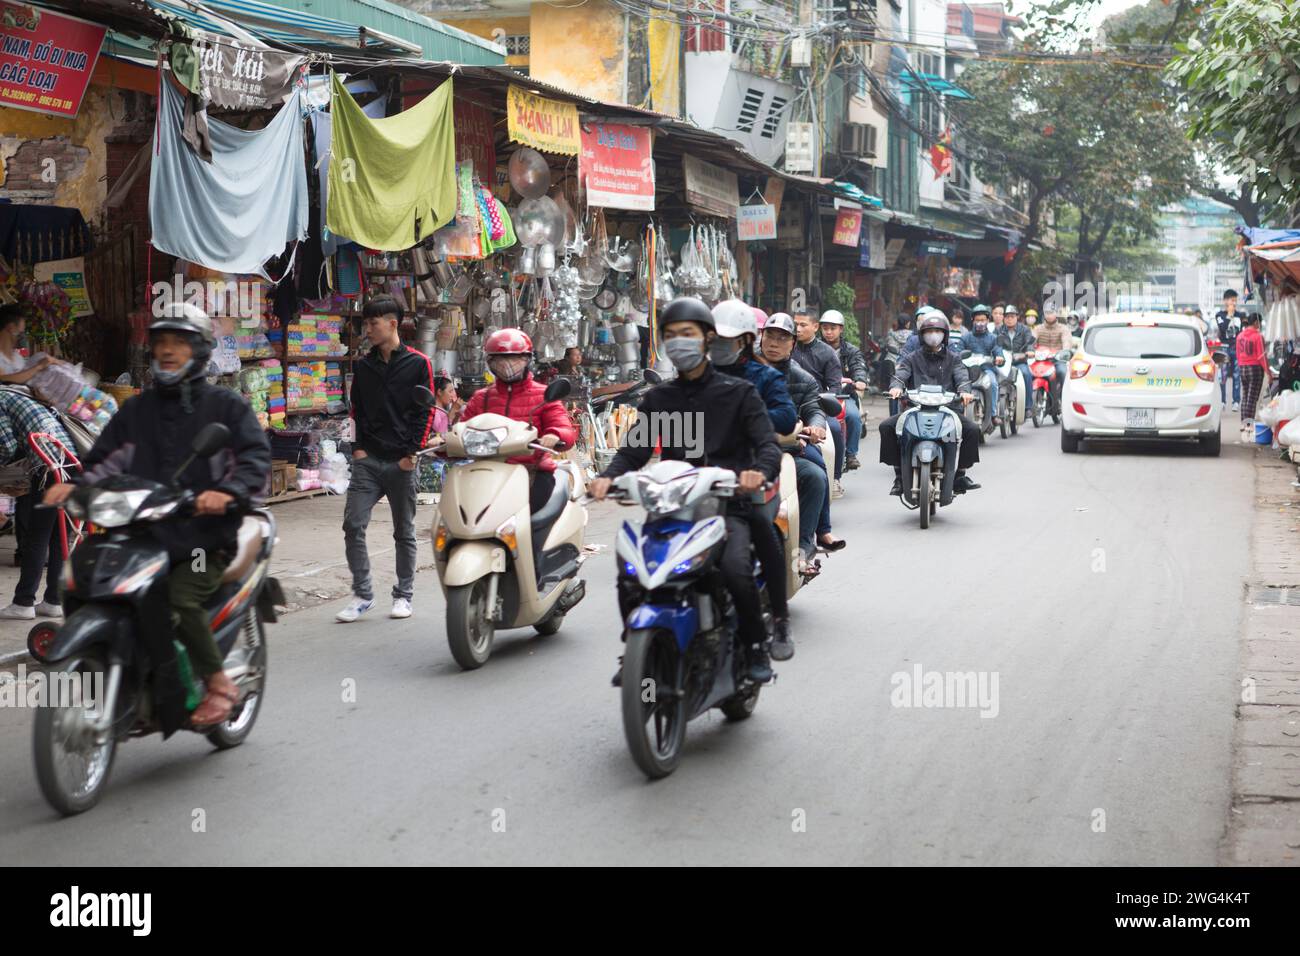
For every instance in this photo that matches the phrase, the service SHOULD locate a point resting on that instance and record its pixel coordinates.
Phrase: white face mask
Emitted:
(932, 338)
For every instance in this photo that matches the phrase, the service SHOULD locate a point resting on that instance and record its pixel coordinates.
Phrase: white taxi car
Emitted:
(1142, 375)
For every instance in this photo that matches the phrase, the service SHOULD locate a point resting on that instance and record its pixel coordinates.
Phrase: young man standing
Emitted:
(391, 427)
(1229, 320)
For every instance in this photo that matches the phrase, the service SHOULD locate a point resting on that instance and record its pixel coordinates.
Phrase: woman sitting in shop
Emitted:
(15, 368)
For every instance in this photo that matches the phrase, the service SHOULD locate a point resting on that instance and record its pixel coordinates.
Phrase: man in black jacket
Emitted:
(823, 363)
(150, 438)
(932, 364)
(853, 379)
(391, 427)
(736, 433)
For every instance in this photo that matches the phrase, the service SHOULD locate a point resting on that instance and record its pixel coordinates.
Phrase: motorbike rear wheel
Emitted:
(239, 725)
(923, 494)
(470, 628)
(653, 702)
(71, 769)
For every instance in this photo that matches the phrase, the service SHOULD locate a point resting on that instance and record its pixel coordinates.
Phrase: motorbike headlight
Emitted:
(483, 443)
(659, 499)
(160, 510)
(690, 564)
(113, 509)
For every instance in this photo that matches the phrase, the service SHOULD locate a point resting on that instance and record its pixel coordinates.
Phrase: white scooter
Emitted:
(498, 563)
(980, 368)
(1013, 397)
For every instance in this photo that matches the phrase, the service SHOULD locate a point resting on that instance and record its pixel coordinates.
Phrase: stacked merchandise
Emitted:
(305, 386)
(315, 335)
(253, 386)
(274, 392)
(334, 387)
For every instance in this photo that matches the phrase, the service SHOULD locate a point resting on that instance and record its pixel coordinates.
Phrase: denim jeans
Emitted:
(837, 436)
(993, 392)
(1023, 368)
(373, 479)
(813, 453)
(1230, 367)
(853, 420)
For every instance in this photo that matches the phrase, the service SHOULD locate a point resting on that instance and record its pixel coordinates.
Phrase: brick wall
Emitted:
(29, 176)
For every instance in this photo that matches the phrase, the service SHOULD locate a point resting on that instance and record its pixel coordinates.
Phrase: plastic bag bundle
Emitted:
(1282, 320)
(1290, 433)
(334, 473)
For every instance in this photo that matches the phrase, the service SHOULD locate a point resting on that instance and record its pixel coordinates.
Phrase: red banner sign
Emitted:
(848, 225)
(475, 139)
(45, 58)
(617, 166)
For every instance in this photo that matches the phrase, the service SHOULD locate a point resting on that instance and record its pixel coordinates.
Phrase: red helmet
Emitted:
(508, 342)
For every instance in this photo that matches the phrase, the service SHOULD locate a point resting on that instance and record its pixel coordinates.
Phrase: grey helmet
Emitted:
(189, 318)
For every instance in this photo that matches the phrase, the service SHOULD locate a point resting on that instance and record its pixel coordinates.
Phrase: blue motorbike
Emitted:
(929, 436)
(682, 657)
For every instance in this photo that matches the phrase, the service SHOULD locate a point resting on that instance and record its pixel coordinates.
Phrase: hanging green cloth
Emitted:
(392, 181)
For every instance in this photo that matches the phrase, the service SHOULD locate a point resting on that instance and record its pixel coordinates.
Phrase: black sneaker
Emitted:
(782, 645)
(851, 462)
(897, 487)
(760, 664)
(618, 674)
(964, 484)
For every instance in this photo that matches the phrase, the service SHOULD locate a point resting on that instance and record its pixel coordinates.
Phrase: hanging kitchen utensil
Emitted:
(527, 265)
(605, 298)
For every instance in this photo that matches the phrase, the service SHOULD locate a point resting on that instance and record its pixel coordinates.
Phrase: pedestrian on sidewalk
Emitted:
(1252, 365)
(391, 426)
(1228, 320)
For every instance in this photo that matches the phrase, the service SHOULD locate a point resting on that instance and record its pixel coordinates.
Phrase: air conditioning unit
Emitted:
(858, 139)
(799, 153)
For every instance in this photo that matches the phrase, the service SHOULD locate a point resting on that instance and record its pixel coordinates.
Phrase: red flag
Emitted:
(941, 154)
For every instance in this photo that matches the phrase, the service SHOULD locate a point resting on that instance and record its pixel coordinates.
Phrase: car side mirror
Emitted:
(211, 439)
(559, 388)
(423, 397)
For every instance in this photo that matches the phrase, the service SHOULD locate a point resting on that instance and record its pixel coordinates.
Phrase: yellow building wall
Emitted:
(581, 48)
(494, 29)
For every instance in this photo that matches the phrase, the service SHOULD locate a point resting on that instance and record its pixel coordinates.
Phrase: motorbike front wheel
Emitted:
(1040, 406)
(654, 702)
(470, 628)
(1006, 413)
(71, 769)
(923, 492)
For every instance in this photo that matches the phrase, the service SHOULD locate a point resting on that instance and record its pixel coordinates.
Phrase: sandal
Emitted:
(216, 706)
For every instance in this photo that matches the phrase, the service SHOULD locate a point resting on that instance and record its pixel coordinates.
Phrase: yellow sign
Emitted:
(1142, 383)
(543, 124)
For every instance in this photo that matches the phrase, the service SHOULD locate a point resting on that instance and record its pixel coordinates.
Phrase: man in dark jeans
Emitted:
(390, 428)
(1229, 320)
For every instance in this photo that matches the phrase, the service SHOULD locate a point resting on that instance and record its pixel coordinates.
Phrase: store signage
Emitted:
(547, 125)
(756, 222)
(871, 254)
(711, 188)
(46, 58)
(237, 76)
(474, 138)
(962, 282)
(70, 276)
(946, 249)
(848, 225)
(617, 167)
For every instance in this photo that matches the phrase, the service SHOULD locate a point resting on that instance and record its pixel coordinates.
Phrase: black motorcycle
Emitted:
(114, 591)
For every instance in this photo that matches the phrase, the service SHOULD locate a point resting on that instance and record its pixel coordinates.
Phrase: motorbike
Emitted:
(982, 369)
(788, 514)
(1012, 400)
(110, 589)
(1047, 389)
(929, 436)
(500, 564)
(682, 657)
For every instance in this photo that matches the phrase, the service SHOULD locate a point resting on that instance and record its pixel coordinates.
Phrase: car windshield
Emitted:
(1142, 341)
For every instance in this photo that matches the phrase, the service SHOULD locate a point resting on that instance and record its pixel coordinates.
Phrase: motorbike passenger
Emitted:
(516, 394)
(933, 364)
(732, 353)
(1018, 342)
(814, 477)
(998, 313)
(1054, 335)
(821, 362)
(736, 433)
(980, 340)
(853, 369)
(149, 438)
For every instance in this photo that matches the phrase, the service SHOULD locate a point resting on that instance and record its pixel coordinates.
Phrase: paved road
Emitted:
(1115, 694)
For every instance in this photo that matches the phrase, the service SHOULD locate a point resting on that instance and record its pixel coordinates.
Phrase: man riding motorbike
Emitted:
(913, 342)
(814, 489)
(732, 353)
(516, 394)
(1018, 342)
(980, 340)
(821, 362)
(853, 368)
(149, 438)
(736, 433)
(1054, 335)
(933, 364)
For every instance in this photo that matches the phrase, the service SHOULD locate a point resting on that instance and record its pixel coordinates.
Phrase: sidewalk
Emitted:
(1264, 824)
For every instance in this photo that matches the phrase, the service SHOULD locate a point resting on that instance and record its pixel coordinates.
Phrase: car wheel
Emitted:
(1211, 445)
(1069, 442)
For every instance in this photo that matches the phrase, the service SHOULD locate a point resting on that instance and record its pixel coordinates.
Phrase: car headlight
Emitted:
(483, 443)
(113, 509)
(663, 498)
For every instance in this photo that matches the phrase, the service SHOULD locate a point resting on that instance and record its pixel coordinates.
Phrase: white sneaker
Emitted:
(1236, 407)
(49, 610)
(837, 490)
(401, 608)
(356, 607)
(17, 612)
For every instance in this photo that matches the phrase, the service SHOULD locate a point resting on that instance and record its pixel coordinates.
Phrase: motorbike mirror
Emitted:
(1219, 358)
(829, 405)
(653, 377)
(423, 397)
(558, 389)
(211, 438)
(966, 354)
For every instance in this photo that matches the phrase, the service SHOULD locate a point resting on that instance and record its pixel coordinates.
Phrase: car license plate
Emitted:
(1141, 418)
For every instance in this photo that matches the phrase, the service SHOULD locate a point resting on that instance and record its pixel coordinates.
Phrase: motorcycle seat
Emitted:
(249, 544)
(546, 515)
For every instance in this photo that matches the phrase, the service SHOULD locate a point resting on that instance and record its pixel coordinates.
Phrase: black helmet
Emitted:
(980, 309)
(933, 320)
(687, 308)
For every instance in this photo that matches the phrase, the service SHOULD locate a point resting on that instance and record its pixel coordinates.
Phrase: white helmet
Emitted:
(832, 317)
(780, 321)
(733, 318)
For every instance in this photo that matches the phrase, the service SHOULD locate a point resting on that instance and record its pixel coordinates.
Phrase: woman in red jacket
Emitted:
(516, 394)
(1253, 365)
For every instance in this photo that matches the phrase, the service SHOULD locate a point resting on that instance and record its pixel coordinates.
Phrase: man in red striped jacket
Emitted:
(391, 426)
